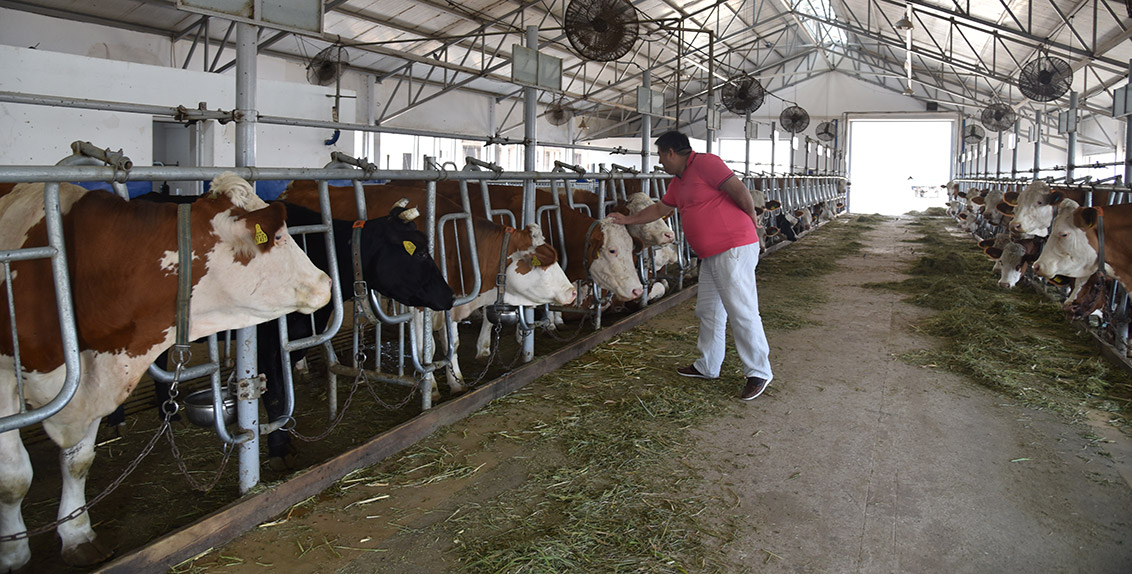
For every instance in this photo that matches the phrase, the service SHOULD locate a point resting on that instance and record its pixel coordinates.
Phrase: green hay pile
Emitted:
(606, 491)
(1015, 341)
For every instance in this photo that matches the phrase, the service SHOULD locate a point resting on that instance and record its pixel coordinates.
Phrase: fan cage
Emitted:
(743, 96)
(601, 30)
(794, 119)
(1045, 78)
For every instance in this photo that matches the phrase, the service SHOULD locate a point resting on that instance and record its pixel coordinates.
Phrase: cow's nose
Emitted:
(669, 237)
(637, 292)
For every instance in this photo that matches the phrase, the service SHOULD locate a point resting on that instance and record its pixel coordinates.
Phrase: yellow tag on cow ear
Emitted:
(260, 236)
(535, 262)
(410, 247)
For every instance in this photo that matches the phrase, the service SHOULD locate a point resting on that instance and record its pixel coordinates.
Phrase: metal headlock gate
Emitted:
(83, 168)
(1111, 330)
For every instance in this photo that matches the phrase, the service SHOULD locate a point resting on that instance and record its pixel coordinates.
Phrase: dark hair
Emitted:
(674, 141)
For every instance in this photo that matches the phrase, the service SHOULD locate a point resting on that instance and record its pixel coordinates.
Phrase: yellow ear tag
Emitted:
(260, 236)
(535, 262)
(410, 247)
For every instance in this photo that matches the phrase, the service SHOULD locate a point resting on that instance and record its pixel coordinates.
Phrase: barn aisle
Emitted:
(853, 461)
(860, 462)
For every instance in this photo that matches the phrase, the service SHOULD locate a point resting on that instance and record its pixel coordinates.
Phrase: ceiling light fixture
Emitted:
(904, 24)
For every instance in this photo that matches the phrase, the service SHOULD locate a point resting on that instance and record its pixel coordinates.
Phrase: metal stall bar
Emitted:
(64, 304)
(287, 346)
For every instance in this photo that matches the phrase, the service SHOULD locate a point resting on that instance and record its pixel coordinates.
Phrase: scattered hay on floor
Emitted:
(1015, 341)
(788, 280)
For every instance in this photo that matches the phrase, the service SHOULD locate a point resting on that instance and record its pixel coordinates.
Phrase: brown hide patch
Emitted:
(124, 301)
(597, 243)
(546, 255)
(1054, 198)
(265, 223)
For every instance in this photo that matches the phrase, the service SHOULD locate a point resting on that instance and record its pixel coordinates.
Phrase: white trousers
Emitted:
(727, 290)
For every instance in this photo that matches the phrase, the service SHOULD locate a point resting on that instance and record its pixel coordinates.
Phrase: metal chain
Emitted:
(113, 485)
(334, 423)
(180, 357)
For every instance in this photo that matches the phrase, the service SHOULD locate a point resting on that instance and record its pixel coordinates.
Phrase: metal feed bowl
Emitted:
(199, 408)
(506, 315)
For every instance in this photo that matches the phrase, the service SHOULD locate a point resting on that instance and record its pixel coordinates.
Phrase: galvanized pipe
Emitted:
(1071, 147)
(247, 410)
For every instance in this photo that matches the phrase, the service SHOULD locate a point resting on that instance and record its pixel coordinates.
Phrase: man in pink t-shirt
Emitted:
(718, 216)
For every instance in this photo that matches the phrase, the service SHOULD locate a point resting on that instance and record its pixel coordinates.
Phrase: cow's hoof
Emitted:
(87, 554)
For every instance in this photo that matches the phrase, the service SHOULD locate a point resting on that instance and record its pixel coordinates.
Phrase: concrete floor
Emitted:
(859, 462)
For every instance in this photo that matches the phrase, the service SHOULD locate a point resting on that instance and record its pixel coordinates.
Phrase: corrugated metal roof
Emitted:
(964, 54)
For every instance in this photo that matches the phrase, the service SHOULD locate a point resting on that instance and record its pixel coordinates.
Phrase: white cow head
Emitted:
(610, 260)
(1033, 209)
(653, 233)
(534, 276)
(255, 270)
(1067, 251)
(1009, 263)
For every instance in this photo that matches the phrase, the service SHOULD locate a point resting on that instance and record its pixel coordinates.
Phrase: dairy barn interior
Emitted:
(937, 186)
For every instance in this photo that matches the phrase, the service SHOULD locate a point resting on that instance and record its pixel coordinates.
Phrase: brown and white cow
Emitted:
(1012, 257)
(1033, 207)
(123, 263)
(1071, 249)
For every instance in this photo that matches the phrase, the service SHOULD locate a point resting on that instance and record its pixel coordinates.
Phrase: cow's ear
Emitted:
(265, 225)
(1005, 208)
(963, 215)
(638, 245)
(986, 243)
(1055, 198)
(962, 194)
(979, 200)
(773, 204)
(771, 231)
(993, 252)
(1011, 198)
(543, 256)
(1087, 217)
(799, 213)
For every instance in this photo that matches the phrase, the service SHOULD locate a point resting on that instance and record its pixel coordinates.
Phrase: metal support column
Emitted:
(710, 89)
(1014, 154)
(646, 135)
(773, 140)
(247, 369)
(530, 114)
(1037, 143)
(1071, 147)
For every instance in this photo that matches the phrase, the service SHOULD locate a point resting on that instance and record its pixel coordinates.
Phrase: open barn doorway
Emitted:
(897, 166)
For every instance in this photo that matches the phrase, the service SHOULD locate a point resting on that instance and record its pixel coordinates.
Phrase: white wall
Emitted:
(45, 133)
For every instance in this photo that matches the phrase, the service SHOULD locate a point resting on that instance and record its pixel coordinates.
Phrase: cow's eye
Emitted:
(613, 252)
(278, 237)
(1063, 234)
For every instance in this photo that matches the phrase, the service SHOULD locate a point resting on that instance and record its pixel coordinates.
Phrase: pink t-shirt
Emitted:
(713, 223)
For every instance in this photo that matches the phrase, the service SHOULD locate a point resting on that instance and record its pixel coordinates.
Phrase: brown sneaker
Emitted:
(755, 387)
(691, 371)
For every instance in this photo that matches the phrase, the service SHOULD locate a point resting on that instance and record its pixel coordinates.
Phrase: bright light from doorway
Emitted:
(897, 166)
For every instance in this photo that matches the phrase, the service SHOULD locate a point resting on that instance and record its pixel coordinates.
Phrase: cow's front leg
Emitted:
(455, 376)
(15, 479)
(79, 546)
